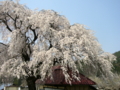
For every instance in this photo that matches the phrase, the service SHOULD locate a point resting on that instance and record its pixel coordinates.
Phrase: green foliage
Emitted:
(17, 81)
(116, 64)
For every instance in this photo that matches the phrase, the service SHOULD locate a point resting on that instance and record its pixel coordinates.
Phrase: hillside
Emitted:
(117, 63)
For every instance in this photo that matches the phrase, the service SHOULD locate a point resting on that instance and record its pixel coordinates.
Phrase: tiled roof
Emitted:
(59, 79)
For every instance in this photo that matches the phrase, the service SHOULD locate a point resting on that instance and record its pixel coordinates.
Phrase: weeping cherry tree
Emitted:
(38, 40)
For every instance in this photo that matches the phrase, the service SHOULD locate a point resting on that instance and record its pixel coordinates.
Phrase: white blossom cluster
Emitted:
(56, 43)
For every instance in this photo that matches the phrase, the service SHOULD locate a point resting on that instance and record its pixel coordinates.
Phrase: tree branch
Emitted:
(27, 70)
(35, 35)
(5, 22)
(11, 17)
(20, 24)
(7, 26)
(15, 25)
(15, 20)
(50, 45)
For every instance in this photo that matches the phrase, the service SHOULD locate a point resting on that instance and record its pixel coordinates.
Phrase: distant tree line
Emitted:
(116, 63)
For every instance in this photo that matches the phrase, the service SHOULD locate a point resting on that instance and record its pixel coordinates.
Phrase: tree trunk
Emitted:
(31, 83)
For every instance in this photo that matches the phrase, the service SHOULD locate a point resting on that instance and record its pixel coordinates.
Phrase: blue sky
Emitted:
(101, 16)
